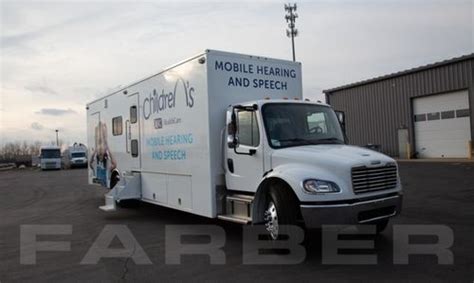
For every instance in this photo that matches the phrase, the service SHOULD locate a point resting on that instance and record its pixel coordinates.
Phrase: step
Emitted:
(240, 198)
(235, 219)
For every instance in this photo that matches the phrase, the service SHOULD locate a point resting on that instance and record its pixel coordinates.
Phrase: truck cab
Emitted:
(294, 156)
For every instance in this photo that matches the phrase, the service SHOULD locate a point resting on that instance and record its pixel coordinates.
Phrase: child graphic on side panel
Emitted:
(102, 161)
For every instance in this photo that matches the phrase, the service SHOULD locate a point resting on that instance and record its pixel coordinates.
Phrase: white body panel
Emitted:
(442, 137)
(181, 118)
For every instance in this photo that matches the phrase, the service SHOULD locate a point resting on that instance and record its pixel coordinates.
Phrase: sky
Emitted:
(57, 56)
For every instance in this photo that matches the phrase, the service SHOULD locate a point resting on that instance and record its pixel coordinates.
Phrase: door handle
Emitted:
(230, 165)
(127, 135)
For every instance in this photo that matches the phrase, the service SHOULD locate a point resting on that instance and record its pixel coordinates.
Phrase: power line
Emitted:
(290, 18)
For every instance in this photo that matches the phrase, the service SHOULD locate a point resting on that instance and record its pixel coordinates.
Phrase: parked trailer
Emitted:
(228, 136)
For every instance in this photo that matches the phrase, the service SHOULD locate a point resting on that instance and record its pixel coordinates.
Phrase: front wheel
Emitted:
(381, 226)
(280, 210)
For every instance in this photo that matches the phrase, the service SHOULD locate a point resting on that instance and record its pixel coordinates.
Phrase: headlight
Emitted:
(313, 186)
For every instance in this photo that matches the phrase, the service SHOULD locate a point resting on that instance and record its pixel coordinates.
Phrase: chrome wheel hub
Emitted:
(271, 220)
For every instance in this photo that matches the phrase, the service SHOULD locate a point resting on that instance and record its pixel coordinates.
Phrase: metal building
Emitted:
(424, 112)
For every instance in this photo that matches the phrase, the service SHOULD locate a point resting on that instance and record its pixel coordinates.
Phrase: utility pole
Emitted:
(57, 137)
(290, 18)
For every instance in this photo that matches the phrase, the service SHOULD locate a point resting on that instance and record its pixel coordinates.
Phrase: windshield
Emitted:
(50, 153)
(291, 124)
(78, 154)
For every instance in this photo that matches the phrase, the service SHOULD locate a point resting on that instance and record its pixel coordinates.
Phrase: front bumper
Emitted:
(352, 212)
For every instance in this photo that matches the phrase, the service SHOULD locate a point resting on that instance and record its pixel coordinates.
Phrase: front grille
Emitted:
(365, 179)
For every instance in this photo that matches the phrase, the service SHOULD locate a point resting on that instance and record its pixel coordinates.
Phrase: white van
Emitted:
(228, 136)
(76, 156)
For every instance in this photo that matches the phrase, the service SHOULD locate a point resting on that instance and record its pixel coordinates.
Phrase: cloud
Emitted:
(41, 88)
(37, 126)
(55, 111)
(58, 56)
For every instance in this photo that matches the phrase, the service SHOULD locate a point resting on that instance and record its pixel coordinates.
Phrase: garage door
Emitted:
(442, 125)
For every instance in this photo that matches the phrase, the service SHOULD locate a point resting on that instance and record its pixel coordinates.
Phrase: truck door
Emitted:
(244, 163)
(132, 132)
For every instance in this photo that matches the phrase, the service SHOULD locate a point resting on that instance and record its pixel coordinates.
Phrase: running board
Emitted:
(238, 209)
(234, 219)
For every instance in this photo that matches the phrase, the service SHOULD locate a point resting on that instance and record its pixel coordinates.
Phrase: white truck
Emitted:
(76, 156)
(229, 136)
(50, 157)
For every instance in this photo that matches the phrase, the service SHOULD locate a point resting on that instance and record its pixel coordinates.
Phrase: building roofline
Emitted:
(401, 73)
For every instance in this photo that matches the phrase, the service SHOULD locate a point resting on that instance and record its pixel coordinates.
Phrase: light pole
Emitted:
(290, 18)
(57, 137)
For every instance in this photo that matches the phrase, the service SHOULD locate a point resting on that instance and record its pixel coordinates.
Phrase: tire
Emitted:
(381, 226)
(280, 209)
(128, 203)
(114, 180)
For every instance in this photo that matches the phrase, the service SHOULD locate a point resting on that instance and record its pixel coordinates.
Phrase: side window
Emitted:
(433, 116)
(134, 148)
(133, 114)
(317, 123)
(248, 128)
(447, 114)
(117, 128)
(462, 113)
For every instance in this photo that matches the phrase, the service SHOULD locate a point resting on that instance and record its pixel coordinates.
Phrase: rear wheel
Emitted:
(280, 211)
(128, 203)
(114, 180)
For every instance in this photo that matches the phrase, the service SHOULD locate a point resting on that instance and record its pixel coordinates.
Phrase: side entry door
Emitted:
(94, 134)
(244, 162)
(132, 132)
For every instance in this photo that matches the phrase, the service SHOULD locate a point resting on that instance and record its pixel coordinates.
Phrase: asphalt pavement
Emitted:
(439, 194)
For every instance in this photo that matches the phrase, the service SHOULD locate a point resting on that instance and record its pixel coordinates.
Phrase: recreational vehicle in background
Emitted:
(50, 157)
(229, 136)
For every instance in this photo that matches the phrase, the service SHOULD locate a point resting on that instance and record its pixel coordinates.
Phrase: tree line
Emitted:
(18, 151)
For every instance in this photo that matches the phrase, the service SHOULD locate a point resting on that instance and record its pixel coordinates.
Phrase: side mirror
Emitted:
(341, 117)
(232, 140)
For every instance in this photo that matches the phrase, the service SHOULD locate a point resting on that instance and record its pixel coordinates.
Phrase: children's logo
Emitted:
(158, 102)
(158, 122)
